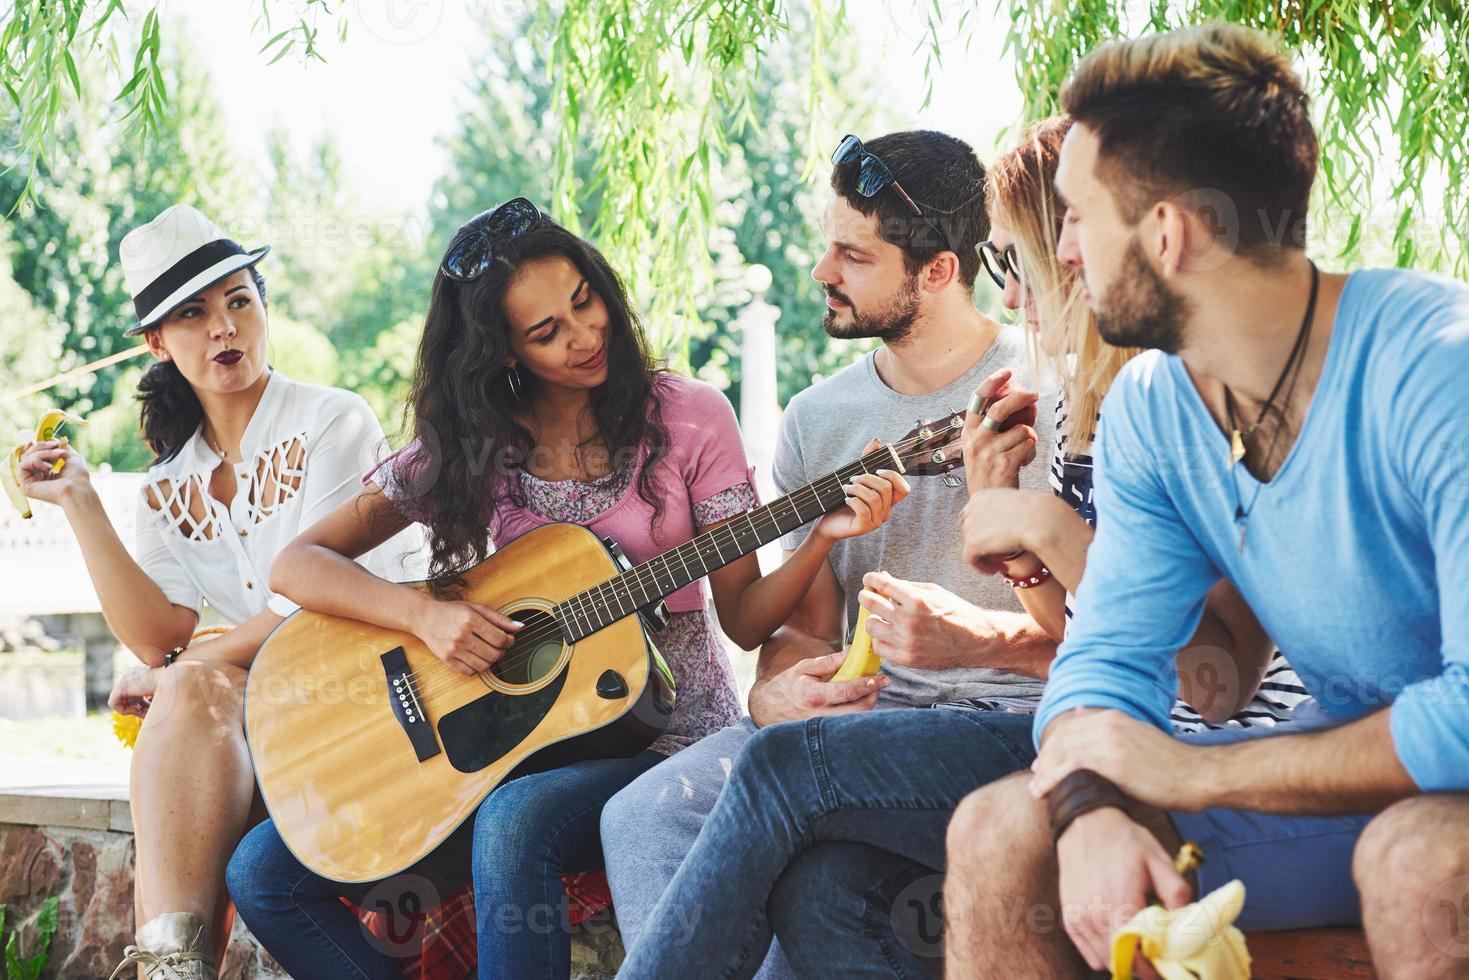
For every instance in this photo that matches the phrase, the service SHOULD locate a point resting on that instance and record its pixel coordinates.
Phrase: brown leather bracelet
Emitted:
(1080, 792)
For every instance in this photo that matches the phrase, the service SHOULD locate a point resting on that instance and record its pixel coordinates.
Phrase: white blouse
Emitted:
(304, 452)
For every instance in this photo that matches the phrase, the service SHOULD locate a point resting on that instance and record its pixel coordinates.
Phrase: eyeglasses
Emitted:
(873, 175)
(472, 250)
(999, 261)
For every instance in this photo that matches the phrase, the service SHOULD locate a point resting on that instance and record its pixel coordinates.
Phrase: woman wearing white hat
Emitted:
(245, 459)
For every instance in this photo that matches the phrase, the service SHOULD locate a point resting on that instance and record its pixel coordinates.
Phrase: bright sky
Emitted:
(393, 88)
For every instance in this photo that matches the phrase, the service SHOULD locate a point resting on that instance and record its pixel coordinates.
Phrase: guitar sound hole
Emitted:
(536, 651)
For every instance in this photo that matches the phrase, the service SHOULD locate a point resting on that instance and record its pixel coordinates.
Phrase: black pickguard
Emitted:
(485, 730)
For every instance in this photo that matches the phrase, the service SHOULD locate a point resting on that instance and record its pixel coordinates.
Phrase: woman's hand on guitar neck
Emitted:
(467, 636)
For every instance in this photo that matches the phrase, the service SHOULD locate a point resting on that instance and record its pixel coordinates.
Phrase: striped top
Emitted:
(1280, 690)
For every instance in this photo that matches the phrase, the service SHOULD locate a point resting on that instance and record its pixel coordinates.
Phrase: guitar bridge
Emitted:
(408, 705)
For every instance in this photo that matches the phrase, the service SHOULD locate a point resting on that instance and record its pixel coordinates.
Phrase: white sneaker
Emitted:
(173, 946)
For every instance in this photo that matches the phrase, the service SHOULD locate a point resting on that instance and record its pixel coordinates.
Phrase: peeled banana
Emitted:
(46, 430)
(1196, 942)
(860, 661)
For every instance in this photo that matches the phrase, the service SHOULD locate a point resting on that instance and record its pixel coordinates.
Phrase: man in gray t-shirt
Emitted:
(900, 265)
(827, 425)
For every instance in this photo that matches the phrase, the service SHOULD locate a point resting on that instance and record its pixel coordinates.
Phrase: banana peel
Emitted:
(861, 660)
(46, 430)
(10, 479)
(1196, 942)
(49, 425)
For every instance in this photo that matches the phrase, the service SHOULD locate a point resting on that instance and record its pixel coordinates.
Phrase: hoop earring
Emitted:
(512, 377)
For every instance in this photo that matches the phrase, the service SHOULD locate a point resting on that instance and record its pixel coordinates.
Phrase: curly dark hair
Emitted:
(169, 408)
(463, 407)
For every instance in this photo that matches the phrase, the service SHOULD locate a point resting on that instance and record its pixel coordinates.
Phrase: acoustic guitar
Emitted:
(370, 751)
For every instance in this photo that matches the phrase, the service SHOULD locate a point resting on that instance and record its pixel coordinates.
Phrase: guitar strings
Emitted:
(595, 595)
(905, 449)
(643, 575)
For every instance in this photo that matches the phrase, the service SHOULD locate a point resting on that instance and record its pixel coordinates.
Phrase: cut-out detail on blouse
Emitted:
(274, 479)
(184, 506)
(277, 477)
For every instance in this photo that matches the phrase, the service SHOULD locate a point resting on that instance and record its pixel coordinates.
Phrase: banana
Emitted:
(860, 661)
(10, 478)
(46, 430)
(49, 425)
(1196, 942)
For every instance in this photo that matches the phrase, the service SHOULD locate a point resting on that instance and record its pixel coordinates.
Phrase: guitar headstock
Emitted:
(932, 448)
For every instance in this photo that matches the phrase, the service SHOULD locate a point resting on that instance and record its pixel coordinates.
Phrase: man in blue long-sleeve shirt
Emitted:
(1304, 435)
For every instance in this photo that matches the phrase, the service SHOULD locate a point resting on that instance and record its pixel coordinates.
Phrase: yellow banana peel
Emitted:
(860, 661)
(1196, 942)
(49, 425)
(46, 430)
(10, 478)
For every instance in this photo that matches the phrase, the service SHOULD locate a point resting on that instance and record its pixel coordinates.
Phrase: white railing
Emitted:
(42, 572)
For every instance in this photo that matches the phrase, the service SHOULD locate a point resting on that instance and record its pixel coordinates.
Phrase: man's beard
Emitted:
(1139, 310)
(890, 325)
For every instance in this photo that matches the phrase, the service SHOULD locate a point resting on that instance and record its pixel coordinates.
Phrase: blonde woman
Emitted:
(245, 460)
(1043, 538)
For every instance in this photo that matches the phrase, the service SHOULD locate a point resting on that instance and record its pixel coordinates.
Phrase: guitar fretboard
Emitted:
(643, 585)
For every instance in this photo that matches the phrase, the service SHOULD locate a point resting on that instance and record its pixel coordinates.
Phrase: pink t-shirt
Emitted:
(704, 457)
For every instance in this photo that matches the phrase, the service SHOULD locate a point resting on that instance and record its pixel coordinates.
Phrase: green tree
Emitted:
(1390, 86)
(656, 90)
(29, 344)
(90, 190)
(771, 202)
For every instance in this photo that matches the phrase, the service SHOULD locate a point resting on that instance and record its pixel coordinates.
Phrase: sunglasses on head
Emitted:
(999, 261)
(873, 175)
(472, 250)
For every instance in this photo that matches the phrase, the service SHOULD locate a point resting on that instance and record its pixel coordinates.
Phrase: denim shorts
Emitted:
(1297, 871)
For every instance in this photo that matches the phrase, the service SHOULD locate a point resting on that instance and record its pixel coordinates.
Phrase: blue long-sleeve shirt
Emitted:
(1357, 551)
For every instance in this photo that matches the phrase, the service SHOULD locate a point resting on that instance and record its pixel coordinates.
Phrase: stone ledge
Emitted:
(76, 843)
(93, 807)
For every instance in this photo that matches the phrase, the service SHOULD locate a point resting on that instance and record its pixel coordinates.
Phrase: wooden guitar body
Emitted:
(370, 751)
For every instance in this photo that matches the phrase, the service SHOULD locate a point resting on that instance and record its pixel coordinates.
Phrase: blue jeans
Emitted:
(526, 834)
(851, 810)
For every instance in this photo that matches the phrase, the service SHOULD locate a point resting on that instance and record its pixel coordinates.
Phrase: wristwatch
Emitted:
(171, 656)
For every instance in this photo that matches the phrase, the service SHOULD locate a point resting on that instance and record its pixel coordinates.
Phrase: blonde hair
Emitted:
(1022, 198)
(1215, 108)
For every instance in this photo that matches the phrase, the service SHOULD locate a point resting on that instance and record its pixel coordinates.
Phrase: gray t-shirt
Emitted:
(827, 425)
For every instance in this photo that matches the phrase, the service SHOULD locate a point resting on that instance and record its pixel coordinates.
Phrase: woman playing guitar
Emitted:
(535, 400)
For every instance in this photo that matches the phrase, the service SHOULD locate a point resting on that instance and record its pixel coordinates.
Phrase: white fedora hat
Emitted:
(175, 256)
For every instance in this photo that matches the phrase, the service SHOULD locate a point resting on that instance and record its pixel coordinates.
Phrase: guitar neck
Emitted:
(643, 585)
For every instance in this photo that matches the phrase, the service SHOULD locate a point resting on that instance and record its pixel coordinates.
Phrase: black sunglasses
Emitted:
(999, 261)
(471, 251)
(873, 175)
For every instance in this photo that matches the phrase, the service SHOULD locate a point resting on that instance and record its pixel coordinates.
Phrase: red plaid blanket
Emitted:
(442, 944)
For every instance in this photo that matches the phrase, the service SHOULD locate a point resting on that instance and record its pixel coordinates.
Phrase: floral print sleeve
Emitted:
(725, 504)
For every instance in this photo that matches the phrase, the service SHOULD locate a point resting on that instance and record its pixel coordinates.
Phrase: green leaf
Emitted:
(274, 40)
(71, 71)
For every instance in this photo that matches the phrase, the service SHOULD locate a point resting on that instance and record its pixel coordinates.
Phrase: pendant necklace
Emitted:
(1292, 370)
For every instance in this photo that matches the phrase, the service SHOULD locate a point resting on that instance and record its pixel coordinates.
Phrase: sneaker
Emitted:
(173, 946)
